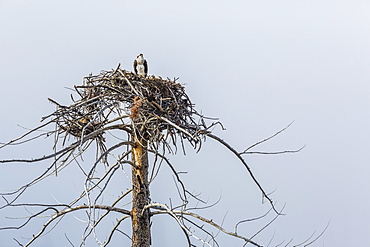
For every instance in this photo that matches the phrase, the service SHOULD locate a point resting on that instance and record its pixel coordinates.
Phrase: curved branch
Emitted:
(277, 152)
(248, 220)
(69, 210)
(174, 172)
(268, 138)
(246, 166)
(66, 149)
(114, 229)
(163, 209)
(98, 182)
(26, 134)
(29, 219)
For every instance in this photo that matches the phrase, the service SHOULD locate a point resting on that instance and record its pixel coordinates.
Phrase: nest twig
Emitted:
(149, 108)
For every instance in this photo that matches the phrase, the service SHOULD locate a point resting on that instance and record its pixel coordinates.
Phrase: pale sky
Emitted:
(256, 65)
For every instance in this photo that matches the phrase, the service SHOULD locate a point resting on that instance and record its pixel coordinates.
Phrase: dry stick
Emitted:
(29, 219)
(314, 240)
(174, 172)
(64, 212)
(32, 138)
(269, 223)
(128, 82)
(246, 166)
(277, 152)
(165, 210)
(95, 185)
(211, 235)
(114, 203)
(96, 115)
(23, 188)
(178, 220)
(105, 214)
(115, 228)
(26, 134)
(42, 176)
(252, 219)
(268, 138)
(176, 127)
(66, 149)
(92, 206)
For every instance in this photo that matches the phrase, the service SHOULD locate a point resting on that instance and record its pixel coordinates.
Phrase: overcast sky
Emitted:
(257, 65)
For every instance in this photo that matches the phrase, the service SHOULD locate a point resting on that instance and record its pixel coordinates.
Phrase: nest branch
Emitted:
(119, 99)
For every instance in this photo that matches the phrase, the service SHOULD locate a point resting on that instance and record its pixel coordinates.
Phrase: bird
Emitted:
(140, 65)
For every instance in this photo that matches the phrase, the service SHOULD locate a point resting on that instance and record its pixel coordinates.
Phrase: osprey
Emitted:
(140, 65)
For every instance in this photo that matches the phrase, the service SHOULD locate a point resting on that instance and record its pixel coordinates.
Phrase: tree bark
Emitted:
(140, 196)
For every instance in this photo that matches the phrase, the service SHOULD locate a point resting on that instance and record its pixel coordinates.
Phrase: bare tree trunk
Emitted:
(140, 196)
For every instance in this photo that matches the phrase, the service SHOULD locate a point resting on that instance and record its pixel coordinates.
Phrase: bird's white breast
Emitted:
(140, 68)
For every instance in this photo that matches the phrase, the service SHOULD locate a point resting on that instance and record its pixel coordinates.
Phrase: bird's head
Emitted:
(140, 56)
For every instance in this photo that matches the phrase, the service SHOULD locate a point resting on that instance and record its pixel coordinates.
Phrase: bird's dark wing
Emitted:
(145, 67)
(135, 63)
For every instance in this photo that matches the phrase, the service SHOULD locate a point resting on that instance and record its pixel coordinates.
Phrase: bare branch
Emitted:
(268, 138)
(246, 166)
(163, 209)
(277, 152)
(69, 210)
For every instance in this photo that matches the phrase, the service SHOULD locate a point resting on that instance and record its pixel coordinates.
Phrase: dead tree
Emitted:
(128, 118)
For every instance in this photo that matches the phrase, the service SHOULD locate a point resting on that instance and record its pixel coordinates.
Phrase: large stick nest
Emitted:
(150, 108)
